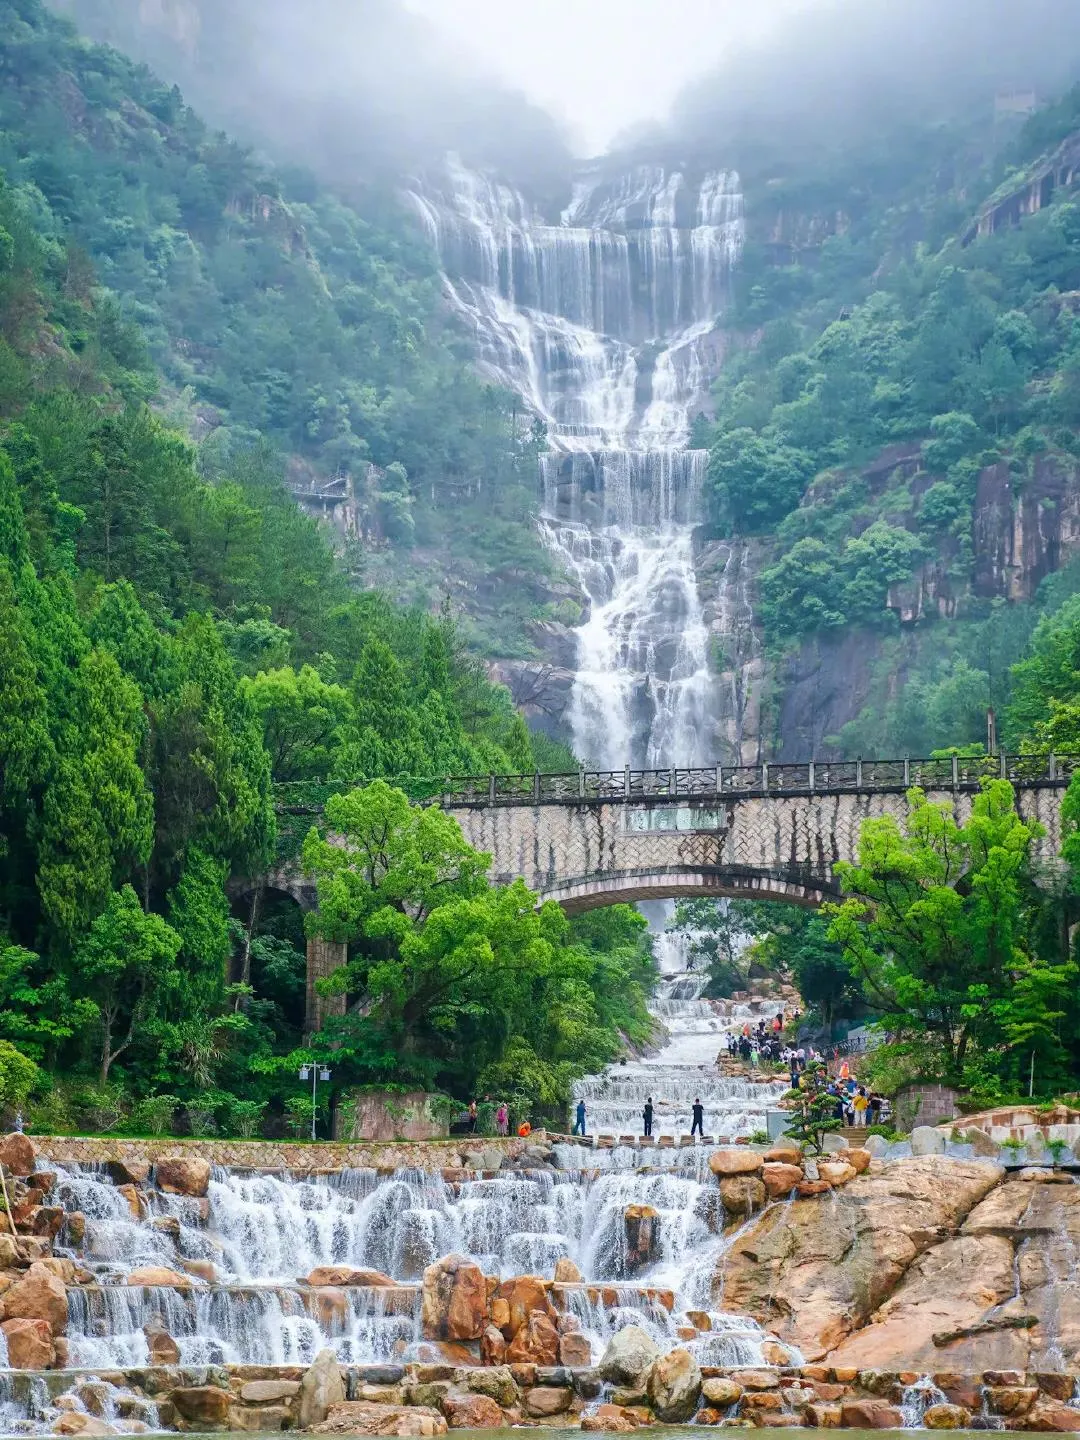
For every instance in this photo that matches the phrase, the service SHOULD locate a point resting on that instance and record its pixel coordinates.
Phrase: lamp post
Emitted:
(317, 1073)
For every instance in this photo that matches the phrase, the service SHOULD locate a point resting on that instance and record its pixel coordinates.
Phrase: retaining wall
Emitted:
(281, 1155)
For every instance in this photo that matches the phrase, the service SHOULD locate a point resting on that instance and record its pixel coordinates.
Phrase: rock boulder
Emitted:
(17, 1154)
(453, 1300)
(321, 1387)
(39, 1295)
(813, 1273)
(629, 1355)
(182, 1174)
(674, 1386)
(29, 1344)
(735, 1162)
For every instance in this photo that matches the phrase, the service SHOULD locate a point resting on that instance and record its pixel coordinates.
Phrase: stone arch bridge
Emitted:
(769, 832)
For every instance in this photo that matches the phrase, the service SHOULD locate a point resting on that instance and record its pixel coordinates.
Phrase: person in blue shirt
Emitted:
(579, 1124)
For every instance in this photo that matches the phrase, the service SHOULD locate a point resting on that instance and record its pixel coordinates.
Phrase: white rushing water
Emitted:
(264, 1233)
(603, 318)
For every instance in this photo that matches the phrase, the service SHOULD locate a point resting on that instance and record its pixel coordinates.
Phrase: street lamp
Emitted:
(317, 1073)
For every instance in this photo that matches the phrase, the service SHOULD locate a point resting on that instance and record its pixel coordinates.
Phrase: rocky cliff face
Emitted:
(928, 1264)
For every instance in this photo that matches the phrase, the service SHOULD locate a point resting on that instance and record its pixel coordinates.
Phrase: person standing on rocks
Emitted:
(472, 1117)
(698, 1127)
(579, 1123)
(502, 1118)
(647, 1118)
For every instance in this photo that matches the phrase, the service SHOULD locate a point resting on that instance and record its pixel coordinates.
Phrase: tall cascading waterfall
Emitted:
(605, 323)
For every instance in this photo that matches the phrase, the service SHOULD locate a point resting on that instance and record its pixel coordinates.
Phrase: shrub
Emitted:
(244, 1117)
(153, 1115)
(99, 1107)
(51, 1115)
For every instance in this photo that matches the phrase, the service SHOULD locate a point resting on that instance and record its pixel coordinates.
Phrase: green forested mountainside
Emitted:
(273, 309)
(174, 640)
(889, 366)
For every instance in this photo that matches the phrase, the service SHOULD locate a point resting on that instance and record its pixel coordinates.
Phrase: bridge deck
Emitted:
(715, 783)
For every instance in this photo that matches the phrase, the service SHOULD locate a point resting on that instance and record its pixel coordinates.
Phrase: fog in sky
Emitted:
(604, 66)
(377, 89)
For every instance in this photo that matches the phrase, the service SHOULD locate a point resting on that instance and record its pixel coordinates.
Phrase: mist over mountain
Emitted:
(352, 91)
(844, 70)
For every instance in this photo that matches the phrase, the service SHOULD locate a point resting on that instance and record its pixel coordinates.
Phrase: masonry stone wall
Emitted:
(779, 847)
(430, 1155)
(923, 1104)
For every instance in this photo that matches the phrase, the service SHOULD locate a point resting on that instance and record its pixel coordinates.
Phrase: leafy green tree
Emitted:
(127, 966)
(97, 810)
(812, 1110)
(304, 721)
(756, 480)
(803, 591)
(18, 1076)
(937, 927)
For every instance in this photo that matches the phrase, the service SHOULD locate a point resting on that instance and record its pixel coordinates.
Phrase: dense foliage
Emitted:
(895, 359)
(956, 948)
(175, 638)
(454, 981)
(275, 309)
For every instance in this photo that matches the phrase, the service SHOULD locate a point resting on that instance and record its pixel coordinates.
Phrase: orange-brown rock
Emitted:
(201, 1270)
(735, 1162)
(182, 1174)
(1052, 1415)
(809, 1188)
(674, 1386)
(202, 1406)
(760, 1401)
(742, 1195)
(721, 1392)
(835, 1172)
(524, 1295)
(947, 1417)
(783, 1155)
(641, 1226)
(133, 1171)
(472, 1412)
(821, 1416)
(537, 1342)
(859, 1160)
(453, 1300)
(39, 1295)
(359, 1417)
(17, 1153)
(158, 1275)
(813, 1273)
(870, 1415)
(29, 1344)
(566, 1272)
(347, 1275)
(1011, 1399)
(780, 1179)
(575, 1351)
(545, 1400)
(161, 1345)
(492, 1346)
(611, 1420)
(330, 1307)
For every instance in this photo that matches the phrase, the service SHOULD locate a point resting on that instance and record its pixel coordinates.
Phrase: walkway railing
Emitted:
(714, 782)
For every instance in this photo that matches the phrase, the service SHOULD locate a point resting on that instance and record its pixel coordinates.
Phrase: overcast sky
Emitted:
(602, 65)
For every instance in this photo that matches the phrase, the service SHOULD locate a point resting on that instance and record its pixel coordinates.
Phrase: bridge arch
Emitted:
(592, 892)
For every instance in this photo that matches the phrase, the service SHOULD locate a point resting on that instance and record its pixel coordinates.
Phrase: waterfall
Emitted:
(602, 318)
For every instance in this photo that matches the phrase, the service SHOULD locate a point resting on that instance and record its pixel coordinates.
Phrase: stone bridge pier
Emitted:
(761, 832)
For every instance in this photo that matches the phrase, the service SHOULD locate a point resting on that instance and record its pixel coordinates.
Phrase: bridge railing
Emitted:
(716, 782)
